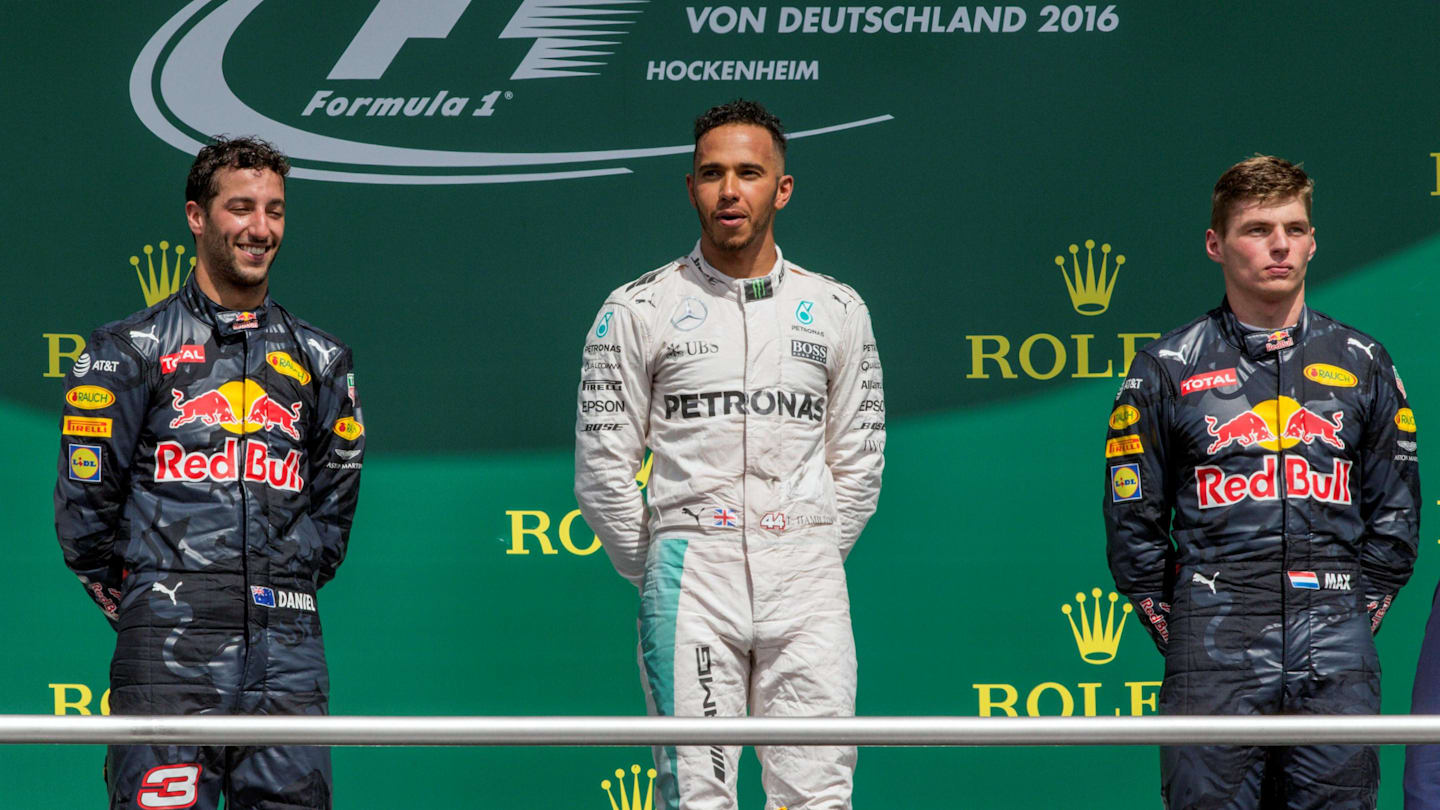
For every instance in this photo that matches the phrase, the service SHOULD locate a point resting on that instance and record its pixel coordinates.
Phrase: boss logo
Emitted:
(805, 350)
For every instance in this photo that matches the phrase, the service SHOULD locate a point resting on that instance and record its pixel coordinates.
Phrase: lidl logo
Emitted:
(1125, 482)
(85, 463)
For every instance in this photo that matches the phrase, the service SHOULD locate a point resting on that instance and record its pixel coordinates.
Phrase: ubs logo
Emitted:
(691, 348)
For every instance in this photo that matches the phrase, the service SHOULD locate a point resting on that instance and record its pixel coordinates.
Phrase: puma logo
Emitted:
(150, 335)
(843, 304)
(1177, 355)
(1200, 578)
(687, 511)
(170, 592)
(1362, 347)
(324, 352)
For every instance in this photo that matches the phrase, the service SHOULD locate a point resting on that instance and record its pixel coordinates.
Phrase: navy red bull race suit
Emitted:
(209, 468)
(1262, 510)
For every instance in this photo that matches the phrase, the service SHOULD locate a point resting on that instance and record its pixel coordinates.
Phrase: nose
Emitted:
(259, 227)
(730, 186)
(1280, 243)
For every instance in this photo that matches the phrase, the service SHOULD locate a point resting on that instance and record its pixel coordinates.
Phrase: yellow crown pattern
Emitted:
(168, 282)
(1090, 291)
(1097, 640)
(632, 801)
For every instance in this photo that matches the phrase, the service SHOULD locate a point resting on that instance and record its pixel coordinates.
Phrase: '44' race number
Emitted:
(774, 521)
(169, 786)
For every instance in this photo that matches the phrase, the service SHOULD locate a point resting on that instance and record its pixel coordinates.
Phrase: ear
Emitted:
(195, 216)
(690, 189)
(783, 190)
(1312, 245)
(1212, 245)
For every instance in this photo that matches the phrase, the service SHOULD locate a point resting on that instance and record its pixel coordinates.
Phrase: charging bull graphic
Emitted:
(223, 406)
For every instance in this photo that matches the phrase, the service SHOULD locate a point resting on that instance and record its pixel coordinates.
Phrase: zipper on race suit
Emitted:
(247, 596)
(1281, 487)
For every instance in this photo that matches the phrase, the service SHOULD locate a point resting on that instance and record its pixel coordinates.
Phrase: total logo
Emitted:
(1090, 282)
(1260, 427)
(1096, 627)
(415, 77)
(238, 406)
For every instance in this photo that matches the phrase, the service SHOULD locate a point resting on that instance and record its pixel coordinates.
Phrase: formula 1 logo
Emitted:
(428, 74)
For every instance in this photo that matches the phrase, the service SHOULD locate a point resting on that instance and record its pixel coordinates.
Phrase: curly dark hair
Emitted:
(1263, 178)
(230, 153)
(741, 111)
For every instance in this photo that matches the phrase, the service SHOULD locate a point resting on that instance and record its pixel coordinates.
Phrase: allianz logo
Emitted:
(179, 77)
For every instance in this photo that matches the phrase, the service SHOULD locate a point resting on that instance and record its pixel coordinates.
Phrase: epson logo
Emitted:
(763, 403)
(600, 385)
(601, 406)
(873, 405)
(805, 350)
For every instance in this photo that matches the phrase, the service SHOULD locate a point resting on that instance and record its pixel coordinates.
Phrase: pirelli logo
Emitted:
(805, 350)
(98, 427)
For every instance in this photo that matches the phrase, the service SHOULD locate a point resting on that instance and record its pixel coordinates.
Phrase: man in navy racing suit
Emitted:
(209, 467)
(1261, 504)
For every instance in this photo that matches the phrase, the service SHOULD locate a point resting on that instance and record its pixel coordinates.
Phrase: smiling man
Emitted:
(209, 467)
(756, 385)
(1262, 501)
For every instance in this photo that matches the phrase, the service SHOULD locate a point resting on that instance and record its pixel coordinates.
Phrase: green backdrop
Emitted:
(463, 259)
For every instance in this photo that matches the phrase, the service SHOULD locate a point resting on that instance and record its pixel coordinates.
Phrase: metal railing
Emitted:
(617, 731)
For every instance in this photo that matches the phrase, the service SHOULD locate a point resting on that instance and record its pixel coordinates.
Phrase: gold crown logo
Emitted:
(1097, 640)
(1090, 291)
(168, 282)
(631, 802)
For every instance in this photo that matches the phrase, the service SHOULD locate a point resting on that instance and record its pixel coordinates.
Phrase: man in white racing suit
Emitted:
(757, 387)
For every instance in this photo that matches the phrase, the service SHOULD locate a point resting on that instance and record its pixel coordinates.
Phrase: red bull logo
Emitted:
(1279, 339)
(174, 465)
(239, 406)
(1219, 378)
(1260, 426)
(267, 413)
(1214, 488)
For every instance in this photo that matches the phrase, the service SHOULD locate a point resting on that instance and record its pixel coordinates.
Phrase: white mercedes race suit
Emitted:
(761, 402)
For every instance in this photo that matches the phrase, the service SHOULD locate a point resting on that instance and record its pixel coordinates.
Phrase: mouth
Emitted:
(255, 253)
(730, 218)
